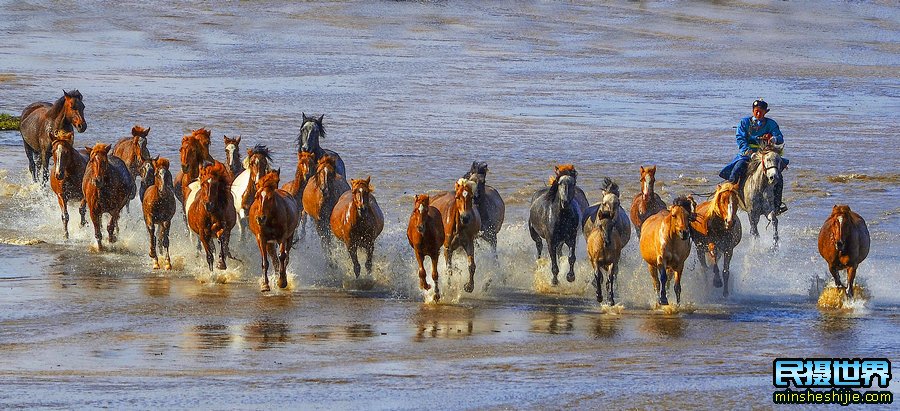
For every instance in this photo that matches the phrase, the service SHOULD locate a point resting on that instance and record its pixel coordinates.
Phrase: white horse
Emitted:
(758, 193)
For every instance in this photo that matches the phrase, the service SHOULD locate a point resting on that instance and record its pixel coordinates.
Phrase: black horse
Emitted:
(488, 202)
(556, 213)
(308, 140)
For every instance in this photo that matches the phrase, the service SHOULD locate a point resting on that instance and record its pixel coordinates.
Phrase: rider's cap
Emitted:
(761, 104)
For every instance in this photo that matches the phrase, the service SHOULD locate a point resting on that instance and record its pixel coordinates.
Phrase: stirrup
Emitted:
(781, 209)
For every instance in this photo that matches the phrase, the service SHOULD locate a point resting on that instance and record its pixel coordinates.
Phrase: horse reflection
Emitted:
(265, 334)
(444, 322)
(557, 320)
(664, 326)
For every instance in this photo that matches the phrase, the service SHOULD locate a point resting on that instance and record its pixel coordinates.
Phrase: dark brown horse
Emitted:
(426, 236)
(210, 212)
(38, 126)
(461, 224)
(159, 207)
(107, 187)
(844, 243)
(273, 219)
(306, 168)
(194, 152)
(311, 130)
(716, 231)
(68, 174)
(357, 220)
(647, 203)
(320, 196)
(133, 150)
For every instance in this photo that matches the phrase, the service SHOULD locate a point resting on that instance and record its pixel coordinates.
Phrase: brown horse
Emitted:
(233, 155)
(716, 231)
(67, 175)
(665, 245)
(210, 212)
(606, 230)
(647, 203)
(357, 220)
(159, 207)
(321, 194)
(461, 224)
(38, 126)
(107, 186)
(194, 152)
(426, 235)
(306, 168)
(133, 150)
(273, 219)
(844, 243)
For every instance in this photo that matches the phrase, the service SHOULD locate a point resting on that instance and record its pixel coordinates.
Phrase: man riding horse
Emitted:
(753, 133)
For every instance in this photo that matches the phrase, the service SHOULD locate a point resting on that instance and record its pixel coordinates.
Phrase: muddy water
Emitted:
(412, 93)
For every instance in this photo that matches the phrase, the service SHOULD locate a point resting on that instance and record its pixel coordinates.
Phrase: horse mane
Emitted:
(610, 187)
(566, 170)
(202, 135)
(305, 156)
(314, 120)
(327, 160)
(261, 150)
(139, 131)
(161, 163)
(478, 167)
(686, 202)
(269, 181)
(362, 183)
(66, 136)
(423, 199)
(217, 170)
(720, 190)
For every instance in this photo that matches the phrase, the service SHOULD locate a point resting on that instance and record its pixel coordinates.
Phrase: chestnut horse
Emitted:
(490, 205)
(606, 230)
(844, 243)
(311, 130)
(194, 152)
(357, 220)
(320, 196)
(665, 245)
(555, 216)
(306, 168)
(159, 207)
(68, 174)
(425, 233)
(716, 231)
(107, 187)
(461, 224)
(133, 150)
(210, 211)
(647, 203)
(273, 219)
(243, 187)
(38, 126)
(233, 155)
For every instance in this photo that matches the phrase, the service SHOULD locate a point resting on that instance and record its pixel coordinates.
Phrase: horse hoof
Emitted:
(424, 285)
(437, 296)
(663, 301)
(112, 238)
(469, 287)
(155, 265)
(554, 282)
(265, 288)
(717, 282)
(570, 277)
(168, 266)
(282, 283)
(221, 265)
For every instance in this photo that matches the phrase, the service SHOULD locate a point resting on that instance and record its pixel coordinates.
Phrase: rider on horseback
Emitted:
(755, 132)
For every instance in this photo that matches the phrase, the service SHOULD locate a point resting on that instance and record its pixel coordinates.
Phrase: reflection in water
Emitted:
(265, 334)
(157, 286)
(664, 326)
(440, 321)
(556, 320)
(212, 336)
(359, 331)
(605, 326)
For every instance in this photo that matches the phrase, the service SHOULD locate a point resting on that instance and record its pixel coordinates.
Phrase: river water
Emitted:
(412, 93)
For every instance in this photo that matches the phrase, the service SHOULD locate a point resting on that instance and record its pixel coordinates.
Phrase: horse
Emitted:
(273, 219)
(758, 191)
(233, 155)
(425, 233)
(243, 187)
(461, 224)
(321, 194)
(107, 186)
(210, 211)
(647, 203)
(357, 220)
(67, 175)
(665, 244)
(158, 203)
(194, 152)
(490, 205)
(133, 151)
(716, 231)
(844, 243)
(306, 168)
(606, 230)
(38, 126)
(555, 215)
(311, 129)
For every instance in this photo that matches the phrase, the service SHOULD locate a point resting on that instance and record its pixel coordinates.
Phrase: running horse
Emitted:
(133, 151)
(844, 243)
(194, 152)
(665, 245)
(716, 231)
(38, 126)
(233, 155)
(311, 130)
(158, 204)
(210, 211)
(606, 230)
(357, 220)
(67, 175)
(306, 168)
(243, 186)
(321, 195)
(490, 205)
(461, 224)
(555, 215)
(758, 191)
(425, 233)
(107, 186)
(647, 203)
(273, 219)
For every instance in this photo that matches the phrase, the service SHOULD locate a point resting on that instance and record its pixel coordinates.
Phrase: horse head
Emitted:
(61, 148)
(214, 183)
(99, 162)
(464, 191)
(306, 165)
(74, 110)
(266, 187)
(233, 152)
(477, 175)
(162, 177)
(609, 203)
(840, 227)
(148, 172)
(679, 221)
(325, 171)
(564, 180)
(648, 179)
(362, 193)
(420, 212)
(770, 161)
(310, 131)
(258, 159)
(724, 203)
(139, 140)
(688, 204)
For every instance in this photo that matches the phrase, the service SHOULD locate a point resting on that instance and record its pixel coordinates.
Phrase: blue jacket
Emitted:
(747, 137)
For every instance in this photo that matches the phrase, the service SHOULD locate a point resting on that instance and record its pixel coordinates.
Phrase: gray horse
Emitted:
(310, 131)
(40, 121)
(489, 203)
(758, 192)
(555, 215)
(607, 230)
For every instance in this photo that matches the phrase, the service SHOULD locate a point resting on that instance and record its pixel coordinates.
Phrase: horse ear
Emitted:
(65, 93)
(304, 116)
(225, 138)
(146, 131)
(321, 117)
(238, 140)
(642, 169)
(89, 149)
(278, 172)
(107, 148)
(249, 152)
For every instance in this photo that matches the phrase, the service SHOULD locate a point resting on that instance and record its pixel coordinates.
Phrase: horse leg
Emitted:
(712, 260)
(701, 257)
(491, 238)
(448, 258)
(754, 221)
(97, 220)
(775, 237)
(209, 253)
(598, 278)
(283, 260)
(434, 275)
(570, 277)
(537, 240)
(470, 252)
(263, 256)
(654, 275)
(273, 255)
(661, 273)
(302, 224)
(851, 277)
(32, 167)
(151, 231)
(836, 274)
(726, 269)
(370, 251)
(554, 268)
(82, 209)
(420, 259)
(65, 214)
(677, 278)
(113, 226)
(164, 241)
(45, 167)
(353, 248)
(613, 271)
(223, 250)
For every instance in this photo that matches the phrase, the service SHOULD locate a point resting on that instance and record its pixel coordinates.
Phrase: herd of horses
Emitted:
(247, 193)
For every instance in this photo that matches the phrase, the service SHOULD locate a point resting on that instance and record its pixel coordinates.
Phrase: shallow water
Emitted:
(412, 93)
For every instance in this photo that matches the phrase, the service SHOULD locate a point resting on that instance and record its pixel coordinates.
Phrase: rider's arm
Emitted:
(777, 138)
(743, 136)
